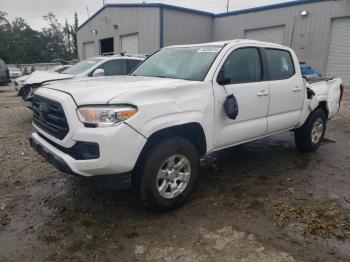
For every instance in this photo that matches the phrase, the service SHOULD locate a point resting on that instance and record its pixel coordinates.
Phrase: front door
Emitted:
(244, 78)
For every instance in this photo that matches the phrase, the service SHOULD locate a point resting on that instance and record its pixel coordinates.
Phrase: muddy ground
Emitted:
(262, 201)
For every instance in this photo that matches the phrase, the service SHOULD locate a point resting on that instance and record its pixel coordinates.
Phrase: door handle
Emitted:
(297, 89)
(262, 93)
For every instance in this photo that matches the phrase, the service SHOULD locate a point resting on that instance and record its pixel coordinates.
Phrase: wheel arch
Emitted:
(192, 131)
(324, 106)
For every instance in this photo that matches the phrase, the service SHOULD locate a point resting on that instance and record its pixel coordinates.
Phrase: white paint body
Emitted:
(164, 103)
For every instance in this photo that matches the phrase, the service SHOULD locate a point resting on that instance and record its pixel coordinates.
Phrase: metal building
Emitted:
(318, 30)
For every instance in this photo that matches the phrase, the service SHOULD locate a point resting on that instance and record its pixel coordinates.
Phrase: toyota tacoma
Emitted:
(149, 130)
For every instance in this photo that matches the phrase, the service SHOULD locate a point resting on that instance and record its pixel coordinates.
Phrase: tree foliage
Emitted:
(19, 43)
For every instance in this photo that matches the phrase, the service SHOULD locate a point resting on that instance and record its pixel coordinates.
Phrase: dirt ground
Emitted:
(262, 201)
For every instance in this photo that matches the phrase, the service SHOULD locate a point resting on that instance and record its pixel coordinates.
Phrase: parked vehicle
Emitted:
(20, 81)
(149, 130)
(14, 72)
(4, 73)
(93, 67)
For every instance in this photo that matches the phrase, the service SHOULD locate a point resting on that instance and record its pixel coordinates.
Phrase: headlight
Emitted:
(105, 116)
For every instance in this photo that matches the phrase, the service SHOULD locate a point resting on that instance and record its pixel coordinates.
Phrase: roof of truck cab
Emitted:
(230, 42)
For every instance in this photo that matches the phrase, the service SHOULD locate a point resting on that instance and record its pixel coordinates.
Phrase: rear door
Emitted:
(243, 71)
(286, 90)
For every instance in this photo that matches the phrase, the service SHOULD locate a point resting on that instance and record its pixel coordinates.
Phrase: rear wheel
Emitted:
(168, 174)
(309, 137)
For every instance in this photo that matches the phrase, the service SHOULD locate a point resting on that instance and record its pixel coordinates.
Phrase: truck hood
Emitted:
(103, 90)
(39, 77)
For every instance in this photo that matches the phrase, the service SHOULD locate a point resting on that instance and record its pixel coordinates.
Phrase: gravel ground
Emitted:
(262, 201)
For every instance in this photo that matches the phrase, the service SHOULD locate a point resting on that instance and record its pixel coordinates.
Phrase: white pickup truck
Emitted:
(148, 130)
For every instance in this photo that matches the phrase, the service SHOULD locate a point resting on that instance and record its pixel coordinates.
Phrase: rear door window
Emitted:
(280, 64)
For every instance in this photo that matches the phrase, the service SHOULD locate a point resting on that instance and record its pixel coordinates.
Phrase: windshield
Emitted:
(82, 66)
(54, 68)
(189, 63)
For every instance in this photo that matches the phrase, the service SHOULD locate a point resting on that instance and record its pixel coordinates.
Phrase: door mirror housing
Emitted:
(231, 107)
(98, 72)
(222, 80)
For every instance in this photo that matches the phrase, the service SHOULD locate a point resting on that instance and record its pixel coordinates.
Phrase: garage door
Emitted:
(130, 43)
(89, 50)
(273, 34)
(338, 62)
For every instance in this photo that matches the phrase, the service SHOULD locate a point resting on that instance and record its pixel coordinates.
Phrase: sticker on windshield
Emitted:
(209, 50)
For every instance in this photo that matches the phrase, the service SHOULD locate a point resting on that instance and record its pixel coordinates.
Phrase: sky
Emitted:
(34, 10)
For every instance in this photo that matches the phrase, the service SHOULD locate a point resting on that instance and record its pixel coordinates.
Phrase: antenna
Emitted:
(103, 2)
(227, 5)
(87, 11)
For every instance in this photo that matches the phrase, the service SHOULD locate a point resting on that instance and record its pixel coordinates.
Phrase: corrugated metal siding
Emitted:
(273, 34)
(338, 62)
(308, 36)
(144, 21)
(185, 28)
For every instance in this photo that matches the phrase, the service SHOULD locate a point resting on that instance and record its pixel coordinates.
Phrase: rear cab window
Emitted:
(279, 63)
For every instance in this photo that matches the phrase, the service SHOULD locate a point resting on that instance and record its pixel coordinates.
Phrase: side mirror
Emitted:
(231, 107)
(222, 80)
(98, 72)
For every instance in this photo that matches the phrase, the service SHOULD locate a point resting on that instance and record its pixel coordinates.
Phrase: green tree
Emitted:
(74, 33)
(5, 30)
(19, 43)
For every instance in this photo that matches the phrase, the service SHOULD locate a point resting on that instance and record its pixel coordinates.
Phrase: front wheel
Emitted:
(309, 137)
(168, 174)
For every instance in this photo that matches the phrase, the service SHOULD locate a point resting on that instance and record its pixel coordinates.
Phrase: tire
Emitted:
(152, 184)
(309, 137)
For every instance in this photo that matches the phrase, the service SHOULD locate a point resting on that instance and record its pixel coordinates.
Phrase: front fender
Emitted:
(169, 120)
(192, 102)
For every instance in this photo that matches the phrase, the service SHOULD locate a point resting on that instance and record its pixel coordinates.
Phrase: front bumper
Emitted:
(119, 149)
(50, 156)
(115, 181)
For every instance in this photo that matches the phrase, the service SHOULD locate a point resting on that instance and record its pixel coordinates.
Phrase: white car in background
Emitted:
(20, 81)
(14, 72)
(120, 64)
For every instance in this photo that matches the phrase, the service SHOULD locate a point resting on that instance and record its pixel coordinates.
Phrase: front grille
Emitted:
(49, 116)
